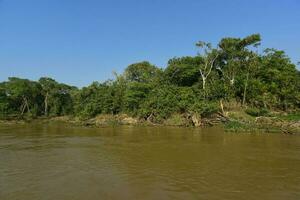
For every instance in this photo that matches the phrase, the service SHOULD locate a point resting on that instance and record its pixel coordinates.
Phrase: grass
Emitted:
(235, 126)
(176, 120)
(290, 117)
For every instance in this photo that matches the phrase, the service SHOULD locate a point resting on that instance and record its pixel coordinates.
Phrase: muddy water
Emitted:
(55, 161)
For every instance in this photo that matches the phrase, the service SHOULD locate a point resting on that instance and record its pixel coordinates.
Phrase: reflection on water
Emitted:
(55, 161)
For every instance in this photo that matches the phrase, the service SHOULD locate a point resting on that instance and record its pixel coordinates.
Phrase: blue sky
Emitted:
(79, 41)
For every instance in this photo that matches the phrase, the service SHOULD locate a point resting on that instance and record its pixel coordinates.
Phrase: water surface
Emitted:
(56, 161)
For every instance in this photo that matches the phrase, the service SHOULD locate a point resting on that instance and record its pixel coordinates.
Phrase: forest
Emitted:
(232, 71)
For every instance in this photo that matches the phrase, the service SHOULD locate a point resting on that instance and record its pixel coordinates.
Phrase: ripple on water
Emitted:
(146, 163)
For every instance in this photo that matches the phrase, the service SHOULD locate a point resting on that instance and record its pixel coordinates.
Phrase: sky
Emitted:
(80, 41)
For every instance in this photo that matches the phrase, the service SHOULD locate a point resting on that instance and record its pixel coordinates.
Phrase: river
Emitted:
(58, 161)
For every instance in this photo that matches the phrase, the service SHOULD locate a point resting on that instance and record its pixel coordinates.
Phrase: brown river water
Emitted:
(57, 161)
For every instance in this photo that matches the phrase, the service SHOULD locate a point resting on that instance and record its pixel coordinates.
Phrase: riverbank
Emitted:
(286, 123)
(233, 121)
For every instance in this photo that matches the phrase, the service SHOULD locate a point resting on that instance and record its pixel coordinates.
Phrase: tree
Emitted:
(141, 72)
(209, 57)
(24, 94)
(234, 62)
(280, 77)
(183, 71)
(135, 94)
(87, 101)
(4, 100)
(233, 52)
(57, 97)
(49, 87)
(160, 103)
(61, 100)
(234, 70)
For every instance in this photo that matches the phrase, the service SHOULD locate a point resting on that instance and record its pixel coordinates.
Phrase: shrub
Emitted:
(177, 120)
(205, 109)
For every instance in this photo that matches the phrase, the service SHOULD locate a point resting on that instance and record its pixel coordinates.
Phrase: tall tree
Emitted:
(250, 67)
(25, 94)
(4, 100)
(183, 71)
(209, 57)
(234, 51)
(141, 72)
(280, 77)
(49, 87)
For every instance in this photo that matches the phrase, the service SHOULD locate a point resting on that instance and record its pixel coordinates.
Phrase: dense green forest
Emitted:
(233, 71)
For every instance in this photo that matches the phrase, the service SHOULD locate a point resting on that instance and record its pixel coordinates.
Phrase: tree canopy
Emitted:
(231, 71)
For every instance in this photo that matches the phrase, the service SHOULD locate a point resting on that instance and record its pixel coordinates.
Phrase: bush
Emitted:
(235, 126)
(205, 109)
(177, 120)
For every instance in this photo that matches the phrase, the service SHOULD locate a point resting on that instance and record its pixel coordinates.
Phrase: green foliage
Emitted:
(135, 95)
(280, 78)
(183, 71)
(4, 102)
(291, 117)
(231, 71)
(256, 112)
(160, 104)
(177, 120)
(205, 108)
(93, 100)
(236, 126)
(23, 95)
(141, 72)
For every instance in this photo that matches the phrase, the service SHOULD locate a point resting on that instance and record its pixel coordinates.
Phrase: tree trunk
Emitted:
(222, 107)
(26, 102)
(23, 108)
(46, 104)
(25, 105)
(203, 83)
(285, 106)
(232, 81)
(245, 89)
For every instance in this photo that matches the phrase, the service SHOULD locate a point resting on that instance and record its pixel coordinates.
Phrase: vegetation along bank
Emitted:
(230, 84)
